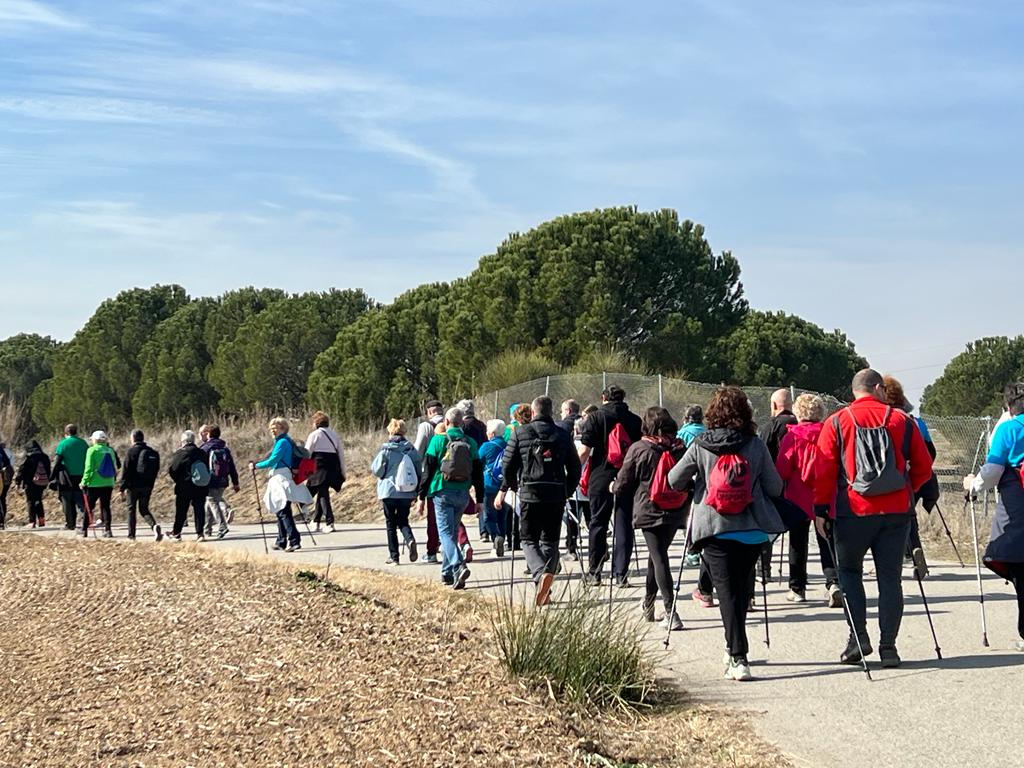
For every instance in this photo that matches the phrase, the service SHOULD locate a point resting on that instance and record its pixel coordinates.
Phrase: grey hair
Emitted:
(496, 427)
(188, 437)
(454, 416)
(542, 406)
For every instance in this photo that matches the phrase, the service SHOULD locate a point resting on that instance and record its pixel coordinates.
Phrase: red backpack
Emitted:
(618, 444)
(663, 496)
(731, 486)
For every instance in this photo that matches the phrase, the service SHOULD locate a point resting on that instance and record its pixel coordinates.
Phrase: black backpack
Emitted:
(545, 461)
(457, 462)
(147, 466)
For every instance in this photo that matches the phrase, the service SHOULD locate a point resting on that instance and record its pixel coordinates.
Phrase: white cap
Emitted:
(99, 436)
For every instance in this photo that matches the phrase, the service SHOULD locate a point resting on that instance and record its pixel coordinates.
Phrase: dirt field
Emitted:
(121, 654)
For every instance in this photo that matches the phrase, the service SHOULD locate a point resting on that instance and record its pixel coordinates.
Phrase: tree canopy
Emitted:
(972, 382)
(25, 361)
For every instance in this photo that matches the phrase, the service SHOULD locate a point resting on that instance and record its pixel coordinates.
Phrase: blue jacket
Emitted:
(280, 457)
(689, 432)
(489, 451)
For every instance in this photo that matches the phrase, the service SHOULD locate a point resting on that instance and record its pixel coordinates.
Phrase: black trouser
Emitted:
(766, 559)
(540, 526)
(731, 564)
(799, 535)
(915, 531)
(512, 534)
(603, 504)
(184, 498)
(99, 499)
(138, 503)
(73, 503)
(34, 504)
(322, 494)
(704, 584)
(396, 518)
(886, 537)
(581, 511)
(659, 574)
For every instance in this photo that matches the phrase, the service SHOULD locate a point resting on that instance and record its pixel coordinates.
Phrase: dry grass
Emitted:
(119, 654)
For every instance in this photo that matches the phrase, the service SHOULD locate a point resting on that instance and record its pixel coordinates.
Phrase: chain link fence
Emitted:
(960, 441)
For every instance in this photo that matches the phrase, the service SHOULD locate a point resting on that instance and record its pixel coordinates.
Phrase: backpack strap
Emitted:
(908, 435)
(839, 441)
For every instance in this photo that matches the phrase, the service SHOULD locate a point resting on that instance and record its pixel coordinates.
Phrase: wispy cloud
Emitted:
(105, 110)
(28, 13)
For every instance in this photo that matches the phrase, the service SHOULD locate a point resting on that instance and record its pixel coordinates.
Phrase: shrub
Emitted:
(575, 649)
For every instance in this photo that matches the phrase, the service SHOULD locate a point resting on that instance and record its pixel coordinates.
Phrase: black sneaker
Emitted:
(277, 546)
(448, 580)
(413, 555)
(622, 582)
(890, 658)
(461, 576)
(852, 654)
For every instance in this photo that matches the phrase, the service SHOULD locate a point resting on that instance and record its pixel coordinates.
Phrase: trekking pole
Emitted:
(302, 514)
(512, 545)
(949, 535)
(764, 595)
(611, 575)
(928, 613)
(259, 508)
(679, 579)
(846, 605)
(636, 556)
(782, 550)
(88, 516)
(977, 564)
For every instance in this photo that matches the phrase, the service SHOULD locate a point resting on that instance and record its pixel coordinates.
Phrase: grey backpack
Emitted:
(875, 470)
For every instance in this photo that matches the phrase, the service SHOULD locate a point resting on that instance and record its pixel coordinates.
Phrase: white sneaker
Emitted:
(795, 597)
(318, 529)
(835, 597)
(738, 669)
(674, 621)
(331, 528)
(1018, 646)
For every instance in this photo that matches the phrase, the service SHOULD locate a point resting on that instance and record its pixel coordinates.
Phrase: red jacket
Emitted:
(796, 450)
(869, 412)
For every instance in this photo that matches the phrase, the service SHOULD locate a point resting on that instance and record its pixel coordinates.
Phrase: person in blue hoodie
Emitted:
(491, 453)
(397, 482)
(693, 424)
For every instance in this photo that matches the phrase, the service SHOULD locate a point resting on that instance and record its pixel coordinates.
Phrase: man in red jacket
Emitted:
(876, 459)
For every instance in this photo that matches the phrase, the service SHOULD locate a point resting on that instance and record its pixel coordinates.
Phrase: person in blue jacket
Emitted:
(281, 488)
(491, 453)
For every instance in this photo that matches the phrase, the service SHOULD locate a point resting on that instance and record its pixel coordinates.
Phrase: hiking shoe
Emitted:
(795, 597)
(391, 561)
(705, 601)
(852, 654)
(890, 658)
(647, 609)
(692, 560)
(499, 546)
(294, 548)
(461, 576)
(920, 564)
(467, 552)
(430, 558)
(544, 589)
(591, 580)
(622, 582)
(738, 669)
(673, 623)
(158, 535)
(835, 596)
(413, 554)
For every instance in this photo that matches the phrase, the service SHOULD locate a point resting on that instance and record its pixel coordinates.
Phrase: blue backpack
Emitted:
(494, 470)
(107, 469)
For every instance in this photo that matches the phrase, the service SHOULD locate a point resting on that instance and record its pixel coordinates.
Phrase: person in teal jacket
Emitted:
(98, 479)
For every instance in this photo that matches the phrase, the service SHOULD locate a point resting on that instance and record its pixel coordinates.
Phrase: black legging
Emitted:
(1017, 576)
(659, 574)
(731, 566)
(99, 497)
(34, 502)
(324, 509)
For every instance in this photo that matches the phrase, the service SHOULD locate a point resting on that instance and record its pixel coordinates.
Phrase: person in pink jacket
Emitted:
(797, 454)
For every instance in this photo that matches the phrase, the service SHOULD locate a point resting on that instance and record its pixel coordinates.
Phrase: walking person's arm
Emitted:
(682, 474)
(573, 467)
(626, 481)
(233, 472)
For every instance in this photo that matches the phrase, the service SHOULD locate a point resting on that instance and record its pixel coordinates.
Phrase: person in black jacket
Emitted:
(595, 435)
(659, 525)
(772, 432)
(141, 469)
(542, 463)
(34, 475)
(187, 493)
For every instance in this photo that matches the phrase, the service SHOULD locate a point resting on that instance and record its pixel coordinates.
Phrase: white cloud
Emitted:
(24, 13)
(105, 110)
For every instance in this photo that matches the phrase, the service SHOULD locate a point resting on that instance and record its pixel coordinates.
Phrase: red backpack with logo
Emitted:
(731, 485)
(618, 444)
(663, 496)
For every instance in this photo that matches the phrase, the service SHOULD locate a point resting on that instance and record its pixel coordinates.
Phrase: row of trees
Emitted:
(972, 383)
(642, 287)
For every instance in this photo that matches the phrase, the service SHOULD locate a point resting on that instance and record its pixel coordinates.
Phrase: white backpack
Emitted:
(406, 479)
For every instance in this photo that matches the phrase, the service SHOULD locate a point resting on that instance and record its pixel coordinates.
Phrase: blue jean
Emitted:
(287, 533)
(493, 520)
(448, 509)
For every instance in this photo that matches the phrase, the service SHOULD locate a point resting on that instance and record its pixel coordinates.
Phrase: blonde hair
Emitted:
(396, 427)
(809, 407)
(281, 423)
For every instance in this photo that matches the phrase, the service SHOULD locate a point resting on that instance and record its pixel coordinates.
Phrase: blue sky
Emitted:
(861, 159)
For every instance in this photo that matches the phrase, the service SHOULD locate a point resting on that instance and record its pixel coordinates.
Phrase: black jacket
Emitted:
(34, 456)
(130, 478)
(476, 429)
(565, 467)
(180, 469)
(596, 429)
(773, 432)
(569, 423)
(634, 480)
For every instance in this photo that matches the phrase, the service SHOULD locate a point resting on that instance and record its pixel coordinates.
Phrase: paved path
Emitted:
(961, 711)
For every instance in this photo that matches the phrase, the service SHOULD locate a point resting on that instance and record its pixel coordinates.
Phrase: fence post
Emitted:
(547, 386)
(604, 380)
(661, 393)
(496, 416)
(792, 393)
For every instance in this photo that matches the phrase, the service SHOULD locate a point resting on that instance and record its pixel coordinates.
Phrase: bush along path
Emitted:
(801, 699)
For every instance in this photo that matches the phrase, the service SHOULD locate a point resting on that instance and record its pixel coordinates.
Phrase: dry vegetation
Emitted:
(121, 654)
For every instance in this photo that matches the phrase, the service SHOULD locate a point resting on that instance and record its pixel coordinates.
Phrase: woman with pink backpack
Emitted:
(798, 451)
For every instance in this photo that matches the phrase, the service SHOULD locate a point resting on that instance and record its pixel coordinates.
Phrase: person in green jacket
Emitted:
(68, 468)
(98, 478)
